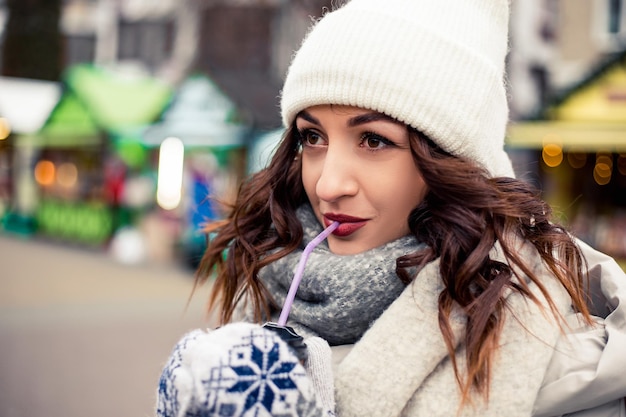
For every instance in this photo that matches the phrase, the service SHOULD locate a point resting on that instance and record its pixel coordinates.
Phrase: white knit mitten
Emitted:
(319, 368)
(239, 369)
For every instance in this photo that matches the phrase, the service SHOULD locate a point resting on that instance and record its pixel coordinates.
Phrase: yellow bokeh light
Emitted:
(602, 173)
(44, 172)
(552, 155)
(5, 128)
(603, 170)
(552, 149)
(603, 158)
(577, 159)
(67, 175)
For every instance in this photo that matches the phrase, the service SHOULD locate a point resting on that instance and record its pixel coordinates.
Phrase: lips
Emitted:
(348, 224)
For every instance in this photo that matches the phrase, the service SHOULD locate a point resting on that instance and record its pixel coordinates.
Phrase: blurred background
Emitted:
(124, 125)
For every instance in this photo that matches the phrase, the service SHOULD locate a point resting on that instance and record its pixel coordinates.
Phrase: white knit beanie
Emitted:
(436, 65)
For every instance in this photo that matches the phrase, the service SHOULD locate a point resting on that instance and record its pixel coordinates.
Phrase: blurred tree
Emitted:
(33, 40)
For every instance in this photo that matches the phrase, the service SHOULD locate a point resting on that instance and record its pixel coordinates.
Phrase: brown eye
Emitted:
(373, 141)
(311, 138)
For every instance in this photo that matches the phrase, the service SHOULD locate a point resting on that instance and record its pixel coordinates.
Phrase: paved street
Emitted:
(81, 335)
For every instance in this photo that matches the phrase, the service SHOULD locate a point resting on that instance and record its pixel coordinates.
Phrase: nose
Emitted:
(338, 177)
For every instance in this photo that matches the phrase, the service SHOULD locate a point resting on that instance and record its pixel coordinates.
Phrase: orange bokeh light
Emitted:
(45, 172)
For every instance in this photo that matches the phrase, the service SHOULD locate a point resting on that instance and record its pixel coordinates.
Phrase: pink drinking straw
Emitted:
(282, 320)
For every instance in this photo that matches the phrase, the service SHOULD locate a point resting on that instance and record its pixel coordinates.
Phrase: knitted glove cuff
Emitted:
(319, 369)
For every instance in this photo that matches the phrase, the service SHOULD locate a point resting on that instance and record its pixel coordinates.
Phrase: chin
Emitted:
(343, 247)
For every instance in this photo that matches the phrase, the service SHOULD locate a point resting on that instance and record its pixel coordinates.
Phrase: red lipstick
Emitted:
(348, 224)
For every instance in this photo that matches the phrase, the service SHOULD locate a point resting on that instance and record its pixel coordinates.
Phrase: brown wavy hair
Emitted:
(461, 217)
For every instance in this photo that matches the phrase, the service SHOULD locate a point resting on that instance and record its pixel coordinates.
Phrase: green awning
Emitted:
(69, 125)
(70, 118)
(116, 100)
(200, 115)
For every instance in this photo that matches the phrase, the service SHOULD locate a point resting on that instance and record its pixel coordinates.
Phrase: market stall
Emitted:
(67, 171)
(75, 176)
(580, 143)
(25, 105)
(198, 148)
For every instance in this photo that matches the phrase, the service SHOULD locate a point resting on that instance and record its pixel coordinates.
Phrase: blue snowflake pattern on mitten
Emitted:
(237, 370)
(260, 373)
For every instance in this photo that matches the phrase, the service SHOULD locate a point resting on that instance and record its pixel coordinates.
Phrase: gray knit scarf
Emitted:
(340, 295)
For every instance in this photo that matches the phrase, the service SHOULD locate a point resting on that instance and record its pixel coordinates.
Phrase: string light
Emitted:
(552, 155)
(603, 168)
(170, 174)
(577, 160)
(67, 175)
(45, 172)
(5, 128)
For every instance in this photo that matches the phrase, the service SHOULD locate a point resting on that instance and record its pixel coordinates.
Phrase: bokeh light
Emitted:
(552, 155)
(67, 175)
(577, 160)
(605, 158)
(5, 128)
(170, 174)
(603, 168)
(45, 172)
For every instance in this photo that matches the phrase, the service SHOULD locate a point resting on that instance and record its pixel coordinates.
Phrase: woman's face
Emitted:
(357, 169)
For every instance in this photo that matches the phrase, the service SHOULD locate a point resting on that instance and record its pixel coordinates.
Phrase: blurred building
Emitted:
(567, 75)
(555, 44)
(217, 67)
(243, 47)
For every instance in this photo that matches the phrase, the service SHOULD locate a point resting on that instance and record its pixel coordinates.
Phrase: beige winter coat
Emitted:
(400, 367)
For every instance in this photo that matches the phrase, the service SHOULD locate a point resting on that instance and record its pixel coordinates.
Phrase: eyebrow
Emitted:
(355, 121)
(372, 117)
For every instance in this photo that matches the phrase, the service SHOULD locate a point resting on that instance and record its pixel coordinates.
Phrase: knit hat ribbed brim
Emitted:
(436, 65)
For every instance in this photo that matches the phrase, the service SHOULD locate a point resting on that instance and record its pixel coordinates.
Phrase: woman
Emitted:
(446, 279)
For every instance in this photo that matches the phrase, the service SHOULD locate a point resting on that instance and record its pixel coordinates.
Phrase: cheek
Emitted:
(309, 179)
(408, 194)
